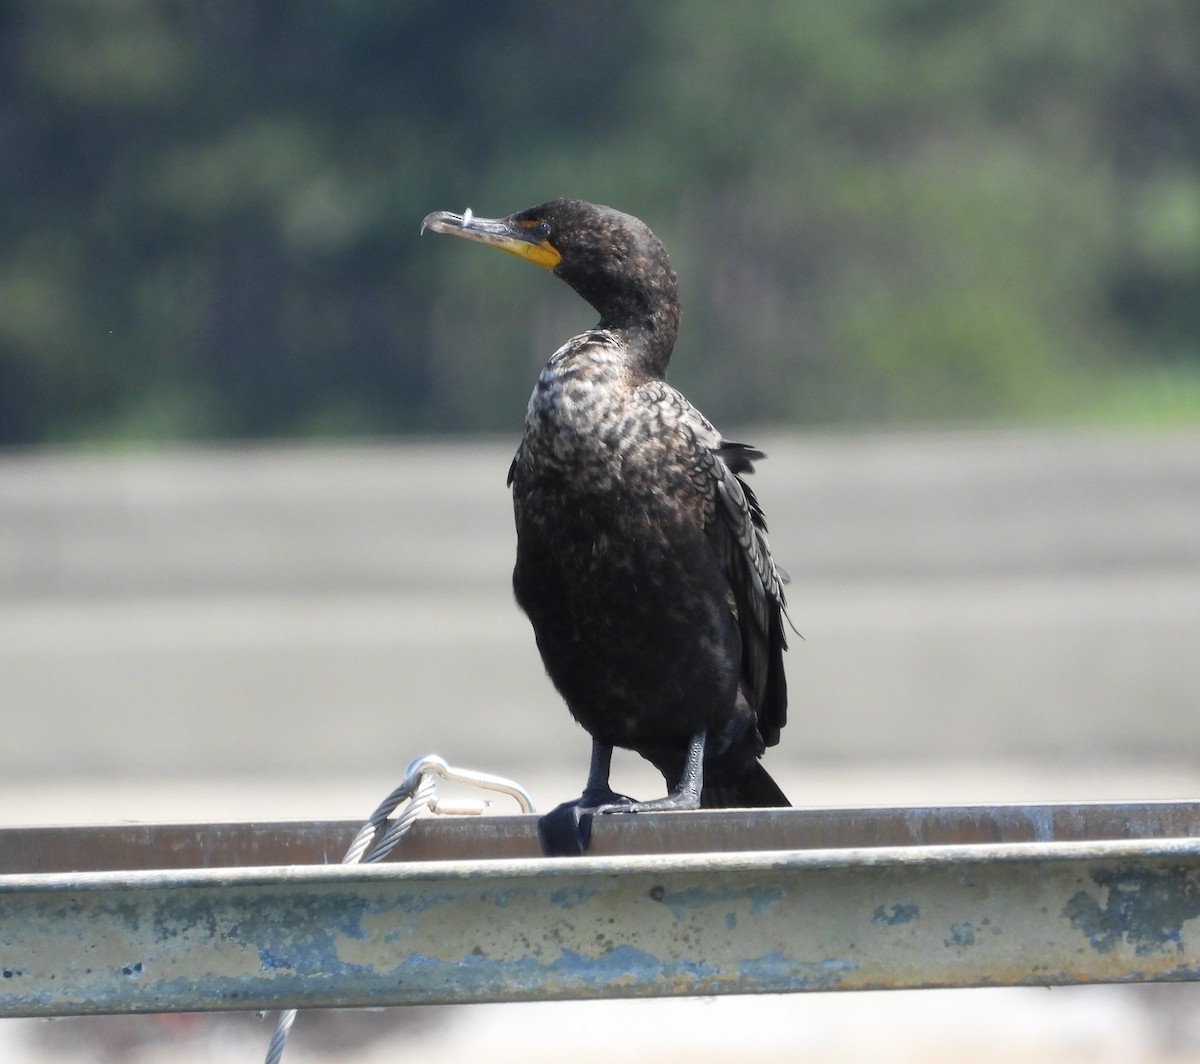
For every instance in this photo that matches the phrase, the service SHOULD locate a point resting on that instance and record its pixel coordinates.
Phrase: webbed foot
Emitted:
(566, 830)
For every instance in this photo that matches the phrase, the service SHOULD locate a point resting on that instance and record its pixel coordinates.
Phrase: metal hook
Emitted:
(432, 763)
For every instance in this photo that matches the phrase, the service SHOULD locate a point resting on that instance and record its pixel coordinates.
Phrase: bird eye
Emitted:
(542, 230)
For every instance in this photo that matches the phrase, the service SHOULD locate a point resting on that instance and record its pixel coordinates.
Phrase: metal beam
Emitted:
(745, 920)
(124, 847)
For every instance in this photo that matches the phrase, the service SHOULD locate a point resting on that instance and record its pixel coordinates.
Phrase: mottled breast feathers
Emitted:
(588, 412)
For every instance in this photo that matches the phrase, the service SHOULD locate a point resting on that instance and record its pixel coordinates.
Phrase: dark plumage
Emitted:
(642, 558)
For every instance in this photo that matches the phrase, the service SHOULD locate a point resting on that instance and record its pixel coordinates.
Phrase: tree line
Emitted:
(882, 211)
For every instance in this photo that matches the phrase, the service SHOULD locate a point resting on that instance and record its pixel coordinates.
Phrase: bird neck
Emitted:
(647, 328)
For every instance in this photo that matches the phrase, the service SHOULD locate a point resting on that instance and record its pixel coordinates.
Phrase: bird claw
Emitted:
(670, 804)
(625, 805)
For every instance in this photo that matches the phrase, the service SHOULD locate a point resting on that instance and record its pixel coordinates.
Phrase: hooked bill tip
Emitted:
(447, 221)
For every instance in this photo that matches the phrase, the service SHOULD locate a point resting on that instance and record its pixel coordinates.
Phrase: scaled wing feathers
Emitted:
(757, 587)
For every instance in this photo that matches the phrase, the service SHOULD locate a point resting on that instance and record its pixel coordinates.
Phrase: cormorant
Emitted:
(642, 556)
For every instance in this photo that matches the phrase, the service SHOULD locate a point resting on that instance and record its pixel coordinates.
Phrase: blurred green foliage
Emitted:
(881, 210)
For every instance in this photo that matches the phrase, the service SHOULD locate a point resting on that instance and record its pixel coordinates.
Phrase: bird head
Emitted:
(611, 259)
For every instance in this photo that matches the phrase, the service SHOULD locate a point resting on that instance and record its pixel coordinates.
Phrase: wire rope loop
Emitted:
(419, 792)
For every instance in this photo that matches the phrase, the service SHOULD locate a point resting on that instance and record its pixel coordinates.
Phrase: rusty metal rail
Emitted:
(145, 918)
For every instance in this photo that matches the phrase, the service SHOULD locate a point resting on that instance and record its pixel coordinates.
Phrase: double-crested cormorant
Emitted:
(642, 557)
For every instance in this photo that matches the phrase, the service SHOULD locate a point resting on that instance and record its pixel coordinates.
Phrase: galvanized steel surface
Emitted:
(1025, 913)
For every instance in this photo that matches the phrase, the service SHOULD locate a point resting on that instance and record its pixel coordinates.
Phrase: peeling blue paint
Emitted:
(902, 912)
(962, 934)
(1145, 908)
(761, 899)
(629, 962)
(270, 960)
(776, 970)
(571, 969)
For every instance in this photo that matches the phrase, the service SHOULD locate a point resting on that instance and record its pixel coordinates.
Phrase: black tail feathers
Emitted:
(755, 790)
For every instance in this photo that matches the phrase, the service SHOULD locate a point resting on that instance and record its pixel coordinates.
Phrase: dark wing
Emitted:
(740, 531)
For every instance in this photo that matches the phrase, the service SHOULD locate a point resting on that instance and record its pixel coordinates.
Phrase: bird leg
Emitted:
(596, 792)
(684, 795)
(566, 830)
